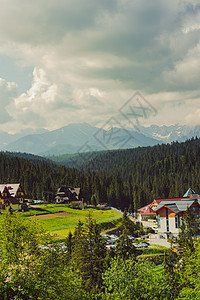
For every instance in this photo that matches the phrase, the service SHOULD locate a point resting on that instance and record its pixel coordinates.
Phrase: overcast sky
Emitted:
(71, 61)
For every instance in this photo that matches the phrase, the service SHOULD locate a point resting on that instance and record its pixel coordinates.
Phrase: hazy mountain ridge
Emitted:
(7, 138)
(171, 133)
(82, 137)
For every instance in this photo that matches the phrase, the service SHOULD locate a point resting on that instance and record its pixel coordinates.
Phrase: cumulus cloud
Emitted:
(193, 118)
(8, 90)
(186, 72)
(175, 107)
(92, 55)
(51, 105)
(32, 107)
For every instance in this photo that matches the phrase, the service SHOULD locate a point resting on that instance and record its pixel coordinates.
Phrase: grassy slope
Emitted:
(62, 225)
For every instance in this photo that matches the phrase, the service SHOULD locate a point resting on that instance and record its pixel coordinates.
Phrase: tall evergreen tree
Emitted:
(88, 254)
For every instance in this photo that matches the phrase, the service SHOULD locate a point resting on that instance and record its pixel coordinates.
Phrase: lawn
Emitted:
(59, 219)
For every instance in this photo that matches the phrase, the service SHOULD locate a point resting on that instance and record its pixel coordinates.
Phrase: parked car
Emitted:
(105, 236)
(113, 237)
(114, 240)
(141, 245)
(109, 242)
(136, 245)
(144, 244)
(109, 247)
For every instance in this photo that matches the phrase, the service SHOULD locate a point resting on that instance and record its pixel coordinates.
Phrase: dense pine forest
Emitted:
(34, 265)
(124, 178)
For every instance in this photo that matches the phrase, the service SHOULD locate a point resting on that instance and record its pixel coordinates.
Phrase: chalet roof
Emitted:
(75, 190)
(146, 210)
(189, 193)
(194, 196)
(163, 199)
(173, 207)
(2, 187)
(13, 200)
(13, 188)
(68, 190)
(167, 199)
(177, 206)
(61, 193)
(157, 201)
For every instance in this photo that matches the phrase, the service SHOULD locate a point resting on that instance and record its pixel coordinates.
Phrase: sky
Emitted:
(129, 61)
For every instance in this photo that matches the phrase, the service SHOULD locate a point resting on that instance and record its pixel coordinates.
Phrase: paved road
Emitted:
(148, 224)
(157, 241)
(161, 242)
(117, 210)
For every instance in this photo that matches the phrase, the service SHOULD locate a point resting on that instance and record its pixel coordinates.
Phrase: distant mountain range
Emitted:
(84, 137)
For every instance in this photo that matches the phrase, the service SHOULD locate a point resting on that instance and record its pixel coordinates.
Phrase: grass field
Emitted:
(60, 219)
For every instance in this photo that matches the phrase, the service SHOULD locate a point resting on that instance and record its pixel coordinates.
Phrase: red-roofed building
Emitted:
(169, 212)
(145, 212)
(155, 202)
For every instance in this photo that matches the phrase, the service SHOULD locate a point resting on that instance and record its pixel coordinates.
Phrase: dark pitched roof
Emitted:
(177, 206)
(189, 193)
(173, 207)
(13, 188)
(13, 200)
(70, 192)
(3, 187)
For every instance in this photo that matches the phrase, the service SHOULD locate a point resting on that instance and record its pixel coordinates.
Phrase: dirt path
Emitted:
(51, 216)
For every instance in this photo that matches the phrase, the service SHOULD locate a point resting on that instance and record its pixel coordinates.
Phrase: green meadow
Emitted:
(59, 219)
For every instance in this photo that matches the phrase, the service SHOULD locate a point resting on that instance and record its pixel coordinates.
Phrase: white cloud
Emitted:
(190, 28)
(32, 107)
(194, 118)
(8, 90)
(175, 107)
(93, 54)
(186, 73)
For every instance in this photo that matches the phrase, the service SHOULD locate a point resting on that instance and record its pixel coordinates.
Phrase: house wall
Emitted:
(163, 224)
(172, 229)
(20, 194)
(153, 205)
(139, 217)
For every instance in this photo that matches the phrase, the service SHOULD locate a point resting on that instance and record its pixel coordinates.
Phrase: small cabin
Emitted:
(67, 194)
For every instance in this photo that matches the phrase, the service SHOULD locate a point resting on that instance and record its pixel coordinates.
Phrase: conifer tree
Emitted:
(125, 248)
(88, 254)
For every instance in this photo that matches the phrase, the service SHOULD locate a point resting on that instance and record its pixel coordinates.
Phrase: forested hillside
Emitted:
(40, 178)
(122, 178)
(149, 172)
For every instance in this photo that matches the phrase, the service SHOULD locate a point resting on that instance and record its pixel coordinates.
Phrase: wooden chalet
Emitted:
(67, 194)
(6, 200)
(12, 195)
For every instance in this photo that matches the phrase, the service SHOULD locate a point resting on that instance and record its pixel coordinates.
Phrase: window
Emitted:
(177, 221)
(167, 219)
(158, 221)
